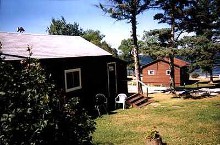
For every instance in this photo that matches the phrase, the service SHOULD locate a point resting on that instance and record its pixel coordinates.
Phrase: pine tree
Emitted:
(203, 18)
(128, 10)
(61, 27)
(173, 14)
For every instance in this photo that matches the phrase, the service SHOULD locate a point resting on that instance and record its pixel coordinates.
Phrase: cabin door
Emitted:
(112, 80)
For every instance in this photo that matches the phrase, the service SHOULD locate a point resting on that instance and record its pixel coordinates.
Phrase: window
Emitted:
(151, 72)
(72, 79)
(167, 72)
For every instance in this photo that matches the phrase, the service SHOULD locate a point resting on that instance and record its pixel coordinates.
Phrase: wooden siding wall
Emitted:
(160, 78)
(94, 77)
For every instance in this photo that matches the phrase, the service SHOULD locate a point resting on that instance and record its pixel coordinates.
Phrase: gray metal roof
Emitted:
(48, 46)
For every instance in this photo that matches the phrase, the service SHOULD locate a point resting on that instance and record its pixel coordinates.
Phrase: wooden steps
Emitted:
(138, 100)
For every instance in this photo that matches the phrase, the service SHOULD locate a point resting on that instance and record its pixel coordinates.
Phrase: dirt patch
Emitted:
(176, 106)
(155, 104)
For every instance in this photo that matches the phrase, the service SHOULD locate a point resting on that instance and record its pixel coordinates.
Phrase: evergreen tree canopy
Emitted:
(200, 51)
(126, 49)
(96, 38)
(157, 43)
(173, 14)
(61, 27)
(203, 18)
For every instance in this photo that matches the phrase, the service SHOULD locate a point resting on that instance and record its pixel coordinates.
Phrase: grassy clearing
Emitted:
(187, 122)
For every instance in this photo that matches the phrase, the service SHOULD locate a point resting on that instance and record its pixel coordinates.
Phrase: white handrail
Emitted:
(144, 85)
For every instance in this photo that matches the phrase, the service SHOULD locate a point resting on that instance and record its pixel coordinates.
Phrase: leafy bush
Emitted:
(32, 111)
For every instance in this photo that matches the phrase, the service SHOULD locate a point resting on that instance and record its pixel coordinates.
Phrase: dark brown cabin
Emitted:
(77, 66)
(158, 72)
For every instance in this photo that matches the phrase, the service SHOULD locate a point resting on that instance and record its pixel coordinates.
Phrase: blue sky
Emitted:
(35, 16)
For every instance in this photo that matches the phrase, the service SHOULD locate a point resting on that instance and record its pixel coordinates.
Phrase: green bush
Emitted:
(32, 111)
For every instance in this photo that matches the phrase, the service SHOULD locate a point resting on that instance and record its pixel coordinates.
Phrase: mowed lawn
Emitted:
(179, 121)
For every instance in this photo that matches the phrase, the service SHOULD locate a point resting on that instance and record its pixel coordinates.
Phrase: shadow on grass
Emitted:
(175, 97)
(199, 97)
(112, 112)
(95, 113)
(194, 96)
(106, 143)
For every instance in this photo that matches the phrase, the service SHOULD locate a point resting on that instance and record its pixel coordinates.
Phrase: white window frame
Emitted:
(80, 81)
(168, 72)
(151, 72)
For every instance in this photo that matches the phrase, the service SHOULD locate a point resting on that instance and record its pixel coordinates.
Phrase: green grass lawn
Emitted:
(180, 122)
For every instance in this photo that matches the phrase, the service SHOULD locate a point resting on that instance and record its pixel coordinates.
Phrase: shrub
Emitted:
(32, 111)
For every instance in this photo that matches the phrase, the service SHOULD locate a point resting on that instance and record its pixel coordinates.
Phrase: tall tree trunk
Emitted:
(211, 76)
(135, 50)
(211, 81)
(171, 55)
(172, 71)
